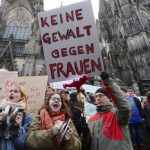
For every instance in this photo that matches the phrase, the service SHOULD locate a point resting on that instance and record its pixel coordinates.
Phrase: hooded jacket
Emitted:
(109, 126)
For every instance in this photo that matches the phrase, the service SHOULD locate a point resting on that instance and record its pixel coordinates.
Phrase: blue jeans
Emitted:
(136, 133)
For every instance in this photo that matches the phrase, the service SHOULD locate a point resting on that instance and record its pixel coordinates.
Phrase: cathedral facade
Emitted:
(20, 43)
(125, 26)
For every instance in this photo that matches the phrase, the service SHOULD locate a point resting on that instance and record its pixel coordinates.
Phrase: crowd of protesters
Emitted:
(61, 122)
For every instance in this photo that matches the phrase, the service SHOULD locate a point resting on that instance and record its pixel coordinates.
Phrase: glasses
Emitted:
(99, 95)
(55, 98)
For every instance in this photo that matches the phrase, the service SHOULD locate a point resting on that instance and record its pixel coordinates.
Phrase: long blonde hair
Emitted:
(24, 96)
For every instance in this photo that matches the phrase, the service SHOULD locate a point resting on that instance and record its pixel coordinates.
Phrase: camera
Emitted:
(9, 114)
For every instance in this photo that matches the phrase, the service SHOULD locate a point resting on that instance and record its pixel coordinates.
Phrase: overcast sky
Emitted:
(51, 4)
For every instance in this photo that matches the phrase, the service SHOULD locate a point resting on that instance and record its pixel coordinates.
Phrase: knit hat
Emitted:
(103, 91)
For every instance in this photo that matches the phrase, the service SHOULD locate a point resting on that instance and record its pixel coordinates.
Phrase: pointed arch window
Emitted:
(19, 33)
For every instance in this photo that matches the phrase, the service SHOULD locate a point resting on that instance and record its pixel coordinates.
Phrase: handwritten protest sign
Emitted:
(70, 42)
(5, 75)
(35, 90)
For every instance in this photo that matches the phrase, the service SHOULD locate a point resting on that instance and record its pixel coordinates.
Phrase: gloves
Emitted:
(57, 127)
(104, 75)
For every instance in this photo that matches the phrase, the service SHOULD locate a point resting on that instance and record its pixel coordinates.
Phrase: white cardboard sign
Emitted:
(70, 42)
(5, 75)
(35, 87)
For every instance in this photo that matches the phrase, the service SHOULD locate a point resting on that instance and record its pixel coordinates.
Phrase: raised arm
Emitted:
(118, 99)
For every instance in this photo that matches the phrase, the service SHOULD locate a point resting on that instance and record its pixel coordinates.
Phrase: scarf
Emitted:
(20, 105)
(47, 121)
(104, 108)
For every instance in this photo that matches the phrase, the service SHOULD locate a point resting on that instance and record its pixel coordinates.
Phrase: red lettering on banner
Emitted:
(10, 83)
(52, 68)
(62, 36)
(61, 18)
(70, 69)
(53, 20)
(69, 16)
(87, 68)
(60, 69)
(79, 70)
(70, 33)
(89, 48)
(96, 65)
(44, 22)
(55, 54)
(84, 66)
(78, 32)
(79, 50)
(72, 51)
(88, 31)
(57, 19)
(64, 52)
(54, 37)
(79, 14)
(46, 38)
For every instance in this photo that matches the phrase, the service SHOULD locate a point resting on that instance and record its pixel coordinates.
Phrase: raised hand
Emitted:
(18, 119)
(57, 126)
(68, 133)
(104, 75)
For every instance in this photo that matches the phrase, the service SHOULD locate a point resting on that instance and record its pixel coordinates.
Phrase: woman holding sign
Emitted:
(14, 121)
(54, 130)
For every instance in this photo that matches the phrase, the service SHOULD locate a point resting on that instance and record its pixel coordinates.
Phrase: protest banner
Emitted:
(70, 42)
(4, 74)
(34, 89)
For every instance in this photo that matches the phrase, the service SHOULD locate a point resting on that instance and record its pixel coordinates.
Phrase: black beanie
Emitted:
(103, 91)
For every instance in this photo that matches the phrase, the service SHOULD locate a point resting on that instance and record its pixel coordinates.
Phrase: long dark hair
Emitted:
(63, 109)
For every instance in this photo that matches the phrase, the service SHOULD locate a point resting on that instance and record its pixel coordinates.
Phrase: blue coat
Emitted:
(17, 142)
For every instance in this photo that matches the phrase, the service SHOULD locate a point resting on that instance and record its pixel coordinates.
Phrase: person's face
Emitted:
(101, 99)
(55, 103)
(50, 91)
(81, 97)
(14, 95)
(130, 93)
(65, 95)
(144, 99)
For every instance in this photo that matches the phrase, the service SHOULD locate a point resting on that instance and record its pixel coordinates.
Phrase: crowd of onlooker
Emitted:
(61, 122)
